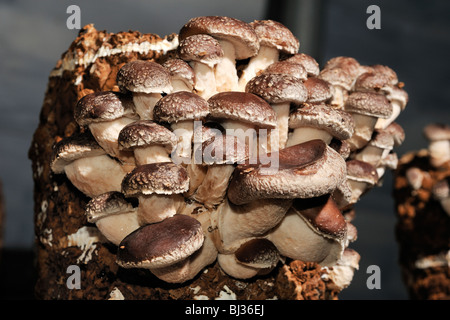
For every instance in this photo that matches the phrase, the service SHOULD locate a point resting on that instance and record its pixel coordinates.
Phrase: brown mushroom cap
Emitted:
(337, 77)
(103, 106)
(180, 69)
(274, 34)
(361, 171)
(143, 76)
(368, 103)
(284, 67)
(397, 132)
(258, 253)
(323, 214)
(161, 244)
(106, 204)
(349, 64)
(202, 48)
(309, 63)
(336, 122)
(382, 139)
(437, 131)
(143, 133)
(80, 145)
(242, 106)
(239, 33)
(179, 106)
(318, 90)
(278, 88)
(305, 170)
(156, 178)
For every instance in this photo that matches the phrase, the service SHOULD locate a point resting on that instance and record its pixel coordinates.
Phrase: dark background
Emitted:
(414, 40)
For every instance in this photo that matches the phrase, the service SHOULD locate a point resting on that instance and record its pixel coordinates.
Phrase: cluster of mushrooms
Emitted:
(239, 149)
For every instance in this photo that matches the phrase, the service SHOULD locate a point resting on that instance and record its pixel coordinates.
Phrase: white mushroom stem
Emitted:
(106, 134)
(372, 155)
(184, 131)
(303, 134)
(180, 85)
(205, 79)
(282, 112)
(115, 227)
(238, 224)
(364, 126)
(439, 152)
(339, 97)
(213, 188)
(157, 207)
(265, 57)
(244, 132)
(295, 238)
(384, 123)
(226, 73)
(144, 104)
(95, 175)
(151, 154)
(197, 174)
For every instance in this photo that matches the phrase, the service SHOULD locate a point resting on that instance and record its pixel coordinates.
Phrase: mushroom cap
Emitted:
(309, 63)
(143, 76)
(361, 171)
(156, 178)
(242, 106)
(103, 106)
(239, 33)
(305, 170)
(106, 204)
(382, 139)
(349, 64)
(377, 78)
(79, 145)
(180, 69)
(341, 146)
(437, 131)
(161, 244)
(278, 88)
(369, 104)
(323, 215)
(143, 133)
(397, 132)
(274, 34)
(319, 90)
(321, 116)
(258, 253)
(285, 67)
(337, 77)
(179, 106)
(202, 48)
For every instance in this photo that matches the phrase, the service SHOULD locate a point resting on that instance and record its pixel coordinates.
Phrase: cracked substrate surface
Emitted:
(64, 237)
(422, 230)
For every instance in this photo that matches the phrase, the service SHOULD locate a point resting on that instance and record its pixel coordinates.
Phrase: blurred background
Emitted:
(414, 40)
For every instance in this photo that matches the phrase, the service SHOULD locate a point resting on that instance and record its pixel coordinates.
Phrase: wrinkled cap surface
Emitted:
(319, 90)
(284, 67)
(278, 88)
(143, 133)
(304, 170)
(103, 106)
(107, 204)
(337, 77)
(368, 103)
(80, 145)
(179, 106)
(274, 34)
(202, 48)
(161, 244)
(180, 69)
(320, 116)
(349, 64)
(242, 106)
(309, 63)
(156, 178)
(239, 33)
(143, 76)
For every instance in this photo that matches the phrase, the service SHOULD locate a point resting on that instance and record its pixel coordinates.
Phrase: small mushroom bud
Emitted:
(113, 215)
(361, 176)
(280, 91)
(162, 247)
(106, 113)
(182, 76)
(341, 82)
(377, 148)
(273, 39)
(87, 165)
(438, 136)
(309, 63)
(149, 141)
(147, 80)
(284, 67)
(319, 121)
(158, 187)
(237, 39)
